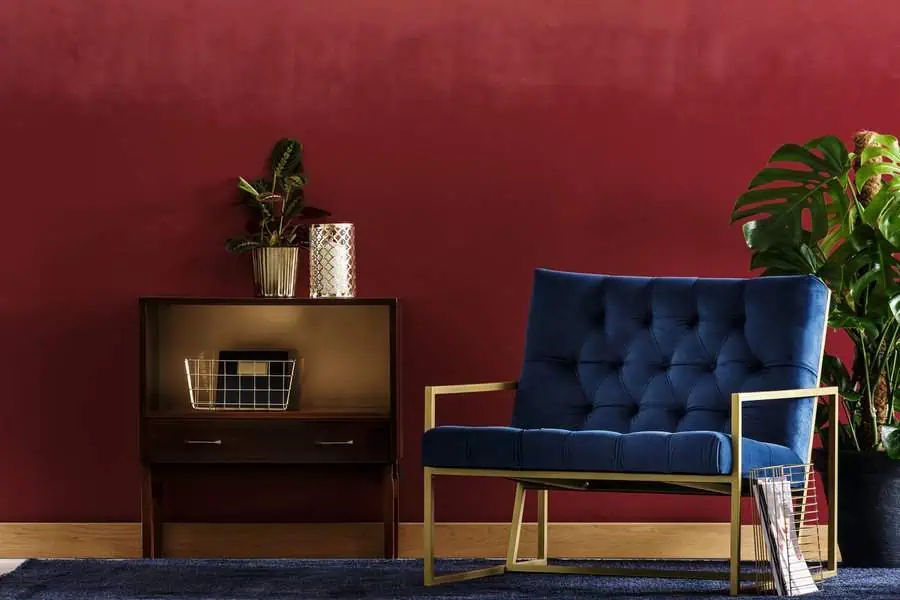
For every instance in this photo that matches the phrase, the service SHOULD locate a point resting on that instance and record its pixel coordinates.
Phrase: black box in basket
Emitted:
(255, 379)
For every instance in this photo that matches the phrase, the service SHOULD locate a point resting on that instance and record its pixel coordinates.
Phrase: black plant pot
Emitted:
(868, 507)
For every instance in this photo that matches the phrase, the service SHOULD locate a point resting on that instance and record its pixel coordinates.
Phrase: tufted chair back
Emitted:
(628, 354)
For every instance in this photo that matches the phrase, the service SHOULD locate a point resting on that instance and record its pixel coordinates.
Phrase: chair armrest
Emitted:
(433, 391)
(738, 398)
(786, 394)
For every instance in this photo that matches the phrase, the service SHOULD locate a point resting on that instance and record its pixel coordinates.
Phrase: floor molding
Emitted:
(330, 540)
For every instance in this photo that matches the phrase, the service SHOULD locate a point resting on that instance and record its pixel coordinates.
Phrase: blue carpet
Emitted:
(364, 579)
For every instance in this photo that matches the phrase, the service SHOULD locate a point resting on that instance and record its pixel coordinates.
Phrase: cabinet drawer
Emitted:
(264, 441)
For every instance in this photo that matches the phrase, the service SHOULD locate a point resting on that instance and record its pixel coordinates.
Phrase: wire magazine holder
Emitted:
(239, 384)
(787, 546)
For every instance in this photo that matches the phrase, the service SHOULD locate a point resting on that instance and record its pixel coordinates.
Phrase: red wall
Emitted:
(470, 141)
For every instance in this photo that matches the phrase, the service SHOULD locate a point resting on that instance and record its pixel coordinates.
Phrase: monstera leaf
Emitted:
(813, 178)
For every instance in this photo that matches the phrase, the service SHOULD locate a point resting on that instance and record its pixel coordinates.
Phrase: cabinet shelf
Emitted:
(341, 409)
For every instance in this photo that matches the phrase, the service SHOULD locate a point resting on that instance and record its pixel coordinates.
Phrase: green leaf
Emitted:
(770, 174)
(799, 154)
(831, 275)
(838, 194)
(834, 237)
(812, 258)
(873, 211)
(862, 237)
(241, 244)
(262, 207)
(832, 149)
(818, 213)
(862, 284)
(784, 259)
(871, 153)
(888, 141)
(760, 235)
(849, 259)
(889, 224)
(262, 185)
(849, 321)
(286, 156)
(764, 211)
(763, 194)
(296, 182)
(246, 186)
(866, 172)
(894, 304)
(290, 207)
(837, 374)
(892, 442)
(851, 395)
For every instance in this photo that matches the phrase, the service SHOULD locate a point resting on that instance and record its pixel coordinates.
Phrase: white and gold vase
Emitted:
(332, 260)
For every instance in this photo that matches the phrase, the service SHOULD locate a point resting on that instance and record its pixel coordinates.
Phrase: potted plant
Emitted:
(820, 209)
(276, 230)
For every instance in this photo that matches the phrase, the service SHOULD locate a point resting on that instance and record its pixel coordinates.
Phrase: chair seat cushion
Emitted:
(686, 452)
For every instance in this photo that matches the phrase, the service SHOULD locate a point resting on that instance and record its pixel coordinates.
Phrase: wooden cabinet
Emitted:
(339, 406)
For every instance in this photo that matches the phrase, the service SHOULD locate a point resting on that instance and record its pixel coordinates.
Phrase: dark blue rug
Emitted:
(365, 579)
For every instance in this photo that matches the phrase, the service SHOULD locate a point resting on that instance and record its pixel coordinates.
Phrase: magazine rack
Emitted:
(788, 550)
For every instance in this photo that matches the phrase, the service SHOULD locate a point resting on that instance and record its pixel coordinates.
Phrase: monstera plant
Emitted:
(820, 209)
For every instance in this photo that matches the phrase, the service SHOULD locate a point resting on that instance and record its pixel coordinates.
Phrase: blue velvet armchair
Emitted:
(650, 384)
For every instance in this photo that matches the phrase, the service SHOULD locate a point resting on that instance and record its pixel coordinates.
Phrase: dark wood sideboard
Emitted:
(342, 409)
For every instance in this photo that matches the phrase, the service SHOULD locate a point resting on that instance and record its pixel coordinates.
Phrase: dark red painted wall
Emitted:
(470, 141)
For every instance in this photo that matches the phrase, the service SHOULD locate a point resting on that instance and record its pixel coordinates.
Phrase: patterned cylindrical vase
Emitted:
(275, 271)
(332, 261)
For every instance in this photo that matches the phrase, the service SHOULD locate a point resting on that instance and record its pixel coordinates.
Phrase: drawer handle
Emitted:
(342, 443)
(211, 442)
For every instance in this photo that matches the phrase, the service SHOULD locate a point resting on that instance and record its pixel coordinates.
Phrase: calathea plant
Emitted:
(276, 203)
(820, 209)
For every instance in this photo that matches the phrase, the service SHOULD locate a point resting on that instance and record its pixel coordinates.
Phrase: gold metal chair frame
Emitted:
(543, 481)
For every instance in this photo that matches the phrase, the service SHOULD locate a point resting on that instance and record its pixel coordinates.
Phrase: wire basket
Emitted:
(788, 551)
(239, 384)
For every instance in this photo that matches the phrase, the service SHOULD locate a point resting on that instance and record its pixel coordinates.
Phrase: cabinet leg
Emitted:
(390, 510)
(151, 521)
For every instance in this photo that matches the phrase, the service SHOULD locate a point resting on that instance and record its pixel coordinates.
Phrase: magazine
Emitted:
(790, 573)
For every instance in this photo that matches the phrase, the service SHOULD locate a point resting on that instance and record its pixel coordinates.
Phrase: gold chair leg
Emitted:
(515, 526)
(735, 554)
(430, 578)
(543, 497)
(737, 434)
(428, 528)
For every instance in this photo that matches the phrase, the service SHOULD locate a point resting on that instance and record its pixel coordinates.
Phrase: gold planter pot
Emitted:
(275, 271)
(332, 261)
